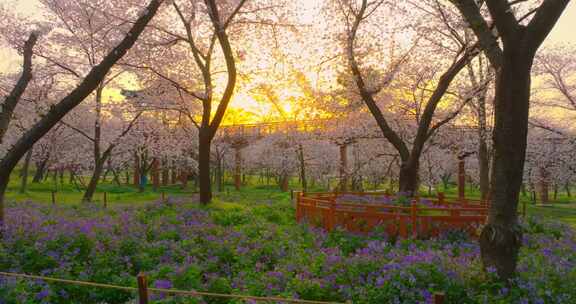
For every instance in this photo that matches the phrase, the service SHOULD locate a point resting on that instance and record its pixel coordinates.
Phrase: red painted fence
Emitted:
(420, 218)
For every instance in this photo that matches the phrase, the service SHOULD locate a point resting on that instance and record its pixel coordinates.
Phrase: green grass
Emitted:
(69, 194)
(563, 209)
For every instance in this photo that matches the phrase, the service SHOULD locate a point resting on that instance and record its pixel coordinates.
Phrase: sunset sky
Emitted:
(563, 32)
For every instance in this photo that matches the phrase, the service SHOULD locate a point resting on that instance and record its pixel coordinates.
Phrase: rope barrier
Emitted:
(162, 290)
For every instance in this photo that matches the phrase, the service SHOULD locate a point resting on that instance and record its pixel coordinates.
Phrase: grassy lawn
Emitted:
(564, 208)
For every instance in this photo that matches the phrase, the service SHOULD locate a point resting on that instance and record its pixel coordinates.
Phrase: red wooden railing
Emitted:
(421, 218)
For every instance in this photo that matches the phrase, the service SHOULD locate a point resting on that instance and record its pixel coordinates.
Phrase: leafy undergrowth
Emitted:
(259, 250)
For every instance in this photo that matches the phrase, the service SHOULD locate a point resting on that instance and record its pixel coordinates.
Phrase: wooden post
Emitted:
(53, 195)
(142, 289)
(441, 198)
(332, 215)
(461, 180)
(439, 298)
(414, 218)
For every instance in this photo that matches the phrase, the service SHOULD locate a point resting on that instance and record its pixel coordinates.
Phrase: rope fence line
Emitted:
(142, 289)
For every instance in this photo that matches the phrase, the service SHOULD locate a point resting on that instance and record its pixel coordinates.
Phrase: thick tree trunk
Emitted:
(25, 169)
(500, 239)
(204, 168)
(408, 179)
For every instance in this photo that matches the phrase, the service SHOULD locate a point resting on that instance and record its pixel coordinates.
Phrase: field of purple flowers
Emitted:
(260, 250)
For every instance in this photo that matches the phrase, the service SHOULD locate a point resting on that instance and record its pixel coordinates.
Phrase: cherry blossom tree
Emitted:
(56, 112)
(356, 15)
(521, 27)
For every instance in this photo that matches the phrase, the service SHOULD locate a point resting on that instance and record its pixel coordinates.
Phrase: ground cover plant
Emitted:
(256, 248)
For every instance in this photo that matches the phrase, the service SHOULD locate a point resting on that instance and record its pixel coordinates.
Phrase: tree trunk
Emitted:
(284, 179)
(183, 179)
(408, 179)
(25, 169)
(165, 172)
(204, 168)
(98, 169)
(555, 192)
(71, 176)
(91, 189)
(567, 188)
(302, 168)
(11, 101)
(40, 169)
(116, 176)
(219, 176)
(484, 163)
(543, 185)
(61, 173)
(461, 179)
(155, 174)
(173, 176)
(237, 167)
(343, 167)
(501, 238)
(136, 169)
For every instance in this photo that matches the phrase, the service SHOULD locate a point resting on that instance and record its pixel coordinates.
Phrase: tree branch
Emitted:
(10, 102)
